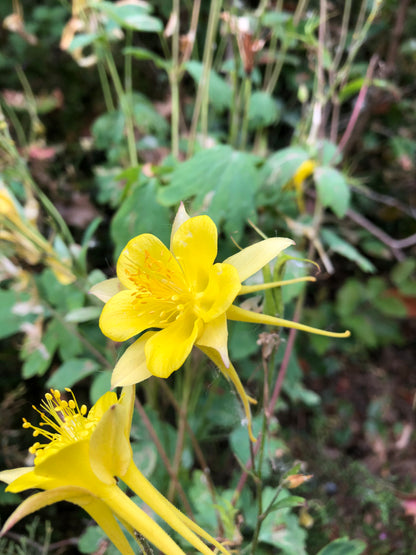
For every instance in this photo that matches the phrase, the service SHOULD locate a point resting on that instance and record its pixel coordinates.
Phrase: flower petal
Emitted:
(231, 374)
(195, 247)
(146, 257)
(124, 316)
(132, 367)
(168, 349)
(251, 259)
(215, 336)
(9, 476)
(106, 289)
(110, 451)
(180, 218)
(140, 521)
(168, 512)
(241, 315)
(105, 519)
(223, 287)
(42, 499)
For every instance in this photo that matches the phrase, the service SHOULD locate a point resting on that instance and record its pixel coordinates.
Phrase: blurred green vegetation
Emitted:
(292, 119)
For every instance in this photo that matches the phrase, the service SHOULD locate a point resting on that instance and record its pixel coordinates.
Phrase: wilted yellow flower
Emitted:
(180, 297)
(305, 170)
(83, 457)
(26, 239)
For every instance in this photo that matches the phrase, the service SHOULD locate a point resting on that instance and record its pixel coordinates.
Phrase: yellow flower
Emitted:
(305, 170)
(85, 455)
(180, 297)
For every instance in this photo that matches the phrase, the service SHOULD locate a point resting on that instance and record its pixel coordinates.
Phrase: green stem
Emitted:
(174, 81)
(126, 107)
(105, 85)
(180, 440)
(202, 96)
(244, 123)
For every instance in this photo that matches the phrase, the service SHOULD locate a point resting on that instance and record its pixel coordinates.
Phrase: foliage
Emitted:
(274, 121)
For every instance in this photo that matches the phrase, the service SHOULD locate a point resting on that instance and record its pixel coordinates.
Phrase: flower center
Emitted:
(66, 421)
(160, 290)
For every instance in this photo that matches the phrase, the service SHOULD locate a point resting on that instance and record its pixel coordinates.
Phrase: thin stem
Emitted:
(174, 81)
(108, 99)
(202, 97)
(180, 439)
(244, 123)
(125, 104)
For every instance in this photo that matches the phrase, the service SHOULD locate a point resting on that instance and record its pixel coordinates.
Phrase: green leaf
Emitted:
(390, 306)
(72, 371)
(338, 245)
(108, 129)
(219, 91)
(333, 190)
(14, 310)
(264, 110)
(403, 271)
(343, 546)
(91, 539)
(131, 16)
(100, 385)
(144, 54)
(83, 314)
(288, 502)
(282, 166)
(140, 213)
(222, 182)
(39, 360)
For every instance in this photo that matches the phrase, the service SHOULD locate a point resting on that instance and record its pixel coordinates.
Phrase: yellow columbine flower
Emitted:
(85, 455)
(180, 297)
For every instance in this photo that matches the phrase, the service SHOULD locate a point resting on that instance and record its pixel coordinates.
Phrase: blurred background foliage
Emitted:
(274, 118)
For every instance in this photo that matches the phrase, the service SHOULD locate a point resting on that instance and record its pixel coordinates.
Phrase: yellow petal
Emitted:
(245, 289)
(123, 316)
(9, 476)
(237, 313)
(231, 374)
(132, 368)
(126, 510)
(146, 258)
(110, 451)
(106, 289)
(195, 247)
(168, 349)
(105, 519)
(215, 336)
(27, 480)
(251, 259)
(102, 405)
(71, 466)
(180, 218)
(168, 512)
(42, 499)
(223, 287)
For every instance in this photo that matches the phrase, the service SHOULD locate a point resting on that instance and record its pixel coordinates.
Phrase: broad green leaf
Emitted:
(131, 16)
(282, 166)
(140, 213)
(343, 546)
(72, 371)
(403, 271)
(333, 190)
(264, 110)
(91, 539)
(219, 91)
(338, 245)
(108, 129)
(100, 385)
(390, 306)
(221, 182)
(147, 118)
